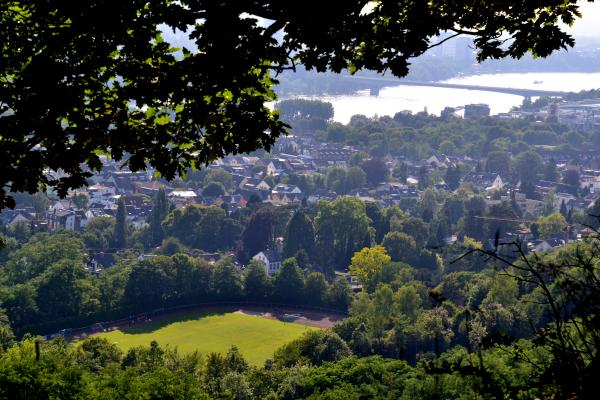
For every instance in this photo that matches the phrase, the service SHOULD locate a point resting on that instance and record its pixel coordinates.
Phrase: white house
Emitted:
(99, 191)
(262, 185)
(102, 194)
(485, 180)
(435, 162)
(63, 204)
(270, 259)
(182, 197)
(287, 189)
(73, 220)
(497, 184)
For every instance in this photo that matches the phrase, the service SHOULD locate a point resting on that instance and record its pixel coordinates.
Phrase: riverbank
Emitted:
(393, 99)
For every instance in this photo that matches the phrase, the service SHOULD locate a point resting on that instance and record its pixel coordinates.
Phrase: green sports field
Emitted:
(256, 338)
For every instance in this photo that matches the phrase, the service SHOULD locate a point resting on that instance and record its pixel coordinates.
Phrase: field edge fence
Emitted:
(129, 315)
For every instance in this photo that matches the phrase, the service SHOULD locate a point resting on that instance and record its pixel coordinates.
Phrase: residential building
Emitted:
(271, 260)
(477, 110)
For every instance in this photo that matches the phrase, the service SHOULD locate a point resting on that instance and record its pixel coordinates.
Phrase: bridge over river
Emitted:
(528, 93)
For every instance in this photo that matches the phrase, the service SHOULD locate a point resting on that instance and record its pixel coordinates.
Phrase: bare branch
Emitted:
(441, 42)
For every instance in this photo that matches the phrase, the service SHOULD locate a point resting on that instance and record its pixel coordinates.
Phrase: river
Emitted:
(416, 98)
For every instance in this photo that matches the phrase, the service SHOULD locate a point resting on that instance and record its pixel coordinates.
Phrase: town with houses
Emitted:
(268, 178)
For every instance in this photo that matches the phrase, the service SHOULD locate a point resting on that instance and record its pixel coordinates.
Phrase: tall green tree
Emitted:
(20, 303)
(40, 252)
(160, 207)
(315, 288)
(64, 291)
(288, 285)
(550, 171)
(453, 209)
(98, 233)
(434, 326)
(218, 176)
(341, 228)
(226, 281)
(417, 229)
(213, 189)
(314, 347)
(355, 178)
(203, 227)
(379, 220)
(299, 235)
(400, 247)
(501, 219)
(593, 215)
(324, 243)
(336, 180)
(120, 232)
(191, 278)
(474, 225)
(515, 205)
(208, 230)
(257, 285)
(259, 232)
(151, 283)
(498, 162)
(340, 294)
(527, 166)
(401, 172)
(452, 177)
(551, 225)
(423, 177)
(376, 171)
(7, 335)
(571, 178)
(367, 263)
(563, 209)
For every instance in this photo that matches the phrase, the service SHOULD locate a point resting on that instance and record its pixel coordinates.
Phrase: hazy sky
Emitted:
(589, 25)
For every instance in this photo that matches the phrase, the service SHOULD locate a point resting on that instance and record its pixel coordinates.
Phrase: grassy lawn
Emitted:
(256, 338)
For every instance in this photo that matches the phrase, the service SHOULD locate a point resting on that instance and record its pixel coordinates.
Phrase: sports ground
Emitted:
(257, 335)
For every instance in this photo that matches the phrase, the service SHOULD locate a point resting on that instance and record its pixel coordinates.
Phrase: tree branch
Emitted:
(443, 41)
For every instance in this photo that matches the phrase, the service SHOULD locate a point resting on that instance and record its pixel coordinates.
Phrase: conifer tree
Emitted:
(593, 215)
(514, 205)
(120, 232)
(452, 177)
(563, 209)
(259, 233)
(550, 172)
(160, 208)
(299, 235)
(401, 172)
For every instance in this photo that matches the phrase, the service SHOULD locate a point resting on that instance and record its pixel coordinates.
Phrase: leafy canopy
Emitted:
(82, 79)
(367, 262)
